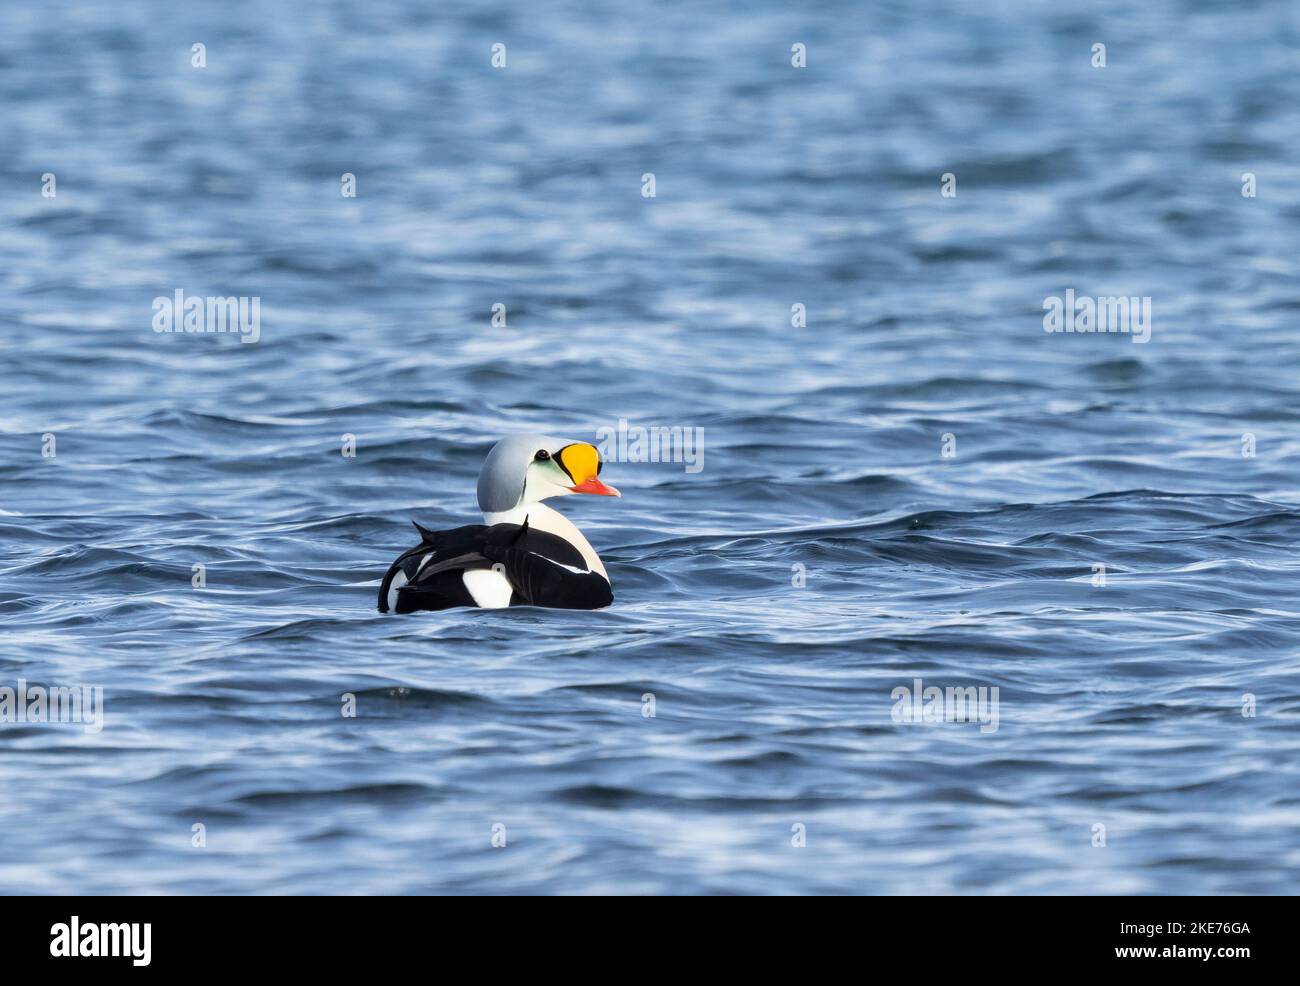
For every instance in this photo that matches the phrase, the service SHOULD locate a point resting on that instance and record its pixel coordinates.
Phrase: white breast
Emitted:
(542, 518)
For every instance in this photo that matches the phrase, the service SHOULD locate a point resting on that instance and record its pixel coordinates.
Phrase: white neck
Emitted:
(542, 518)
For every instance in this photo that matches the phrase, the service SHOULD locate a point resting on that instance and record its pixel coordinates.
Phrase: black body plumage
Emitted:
(543, 569)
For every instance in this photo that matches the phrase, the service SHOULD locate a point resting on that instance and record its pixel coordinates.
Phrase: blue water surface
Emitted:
(944, 475)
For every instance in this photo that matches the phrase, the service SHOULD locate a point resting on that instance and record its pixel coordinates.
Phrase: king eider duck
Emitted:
(524, 553)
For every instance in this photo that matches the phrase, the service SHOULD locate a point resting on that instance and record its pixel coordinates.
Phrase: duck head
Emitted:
(524, 469)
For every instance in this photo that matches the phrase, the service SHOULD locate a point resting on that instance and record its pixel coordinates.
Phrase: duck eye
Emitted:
(542, 455)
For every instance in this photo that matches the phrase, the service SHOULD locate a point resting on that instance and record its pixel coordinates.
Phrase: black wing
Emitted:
(540, 578)
(543, 570)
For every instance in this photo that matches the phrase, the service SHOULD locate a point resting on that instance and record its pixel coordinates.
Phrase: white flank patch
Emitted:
(490, 589)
